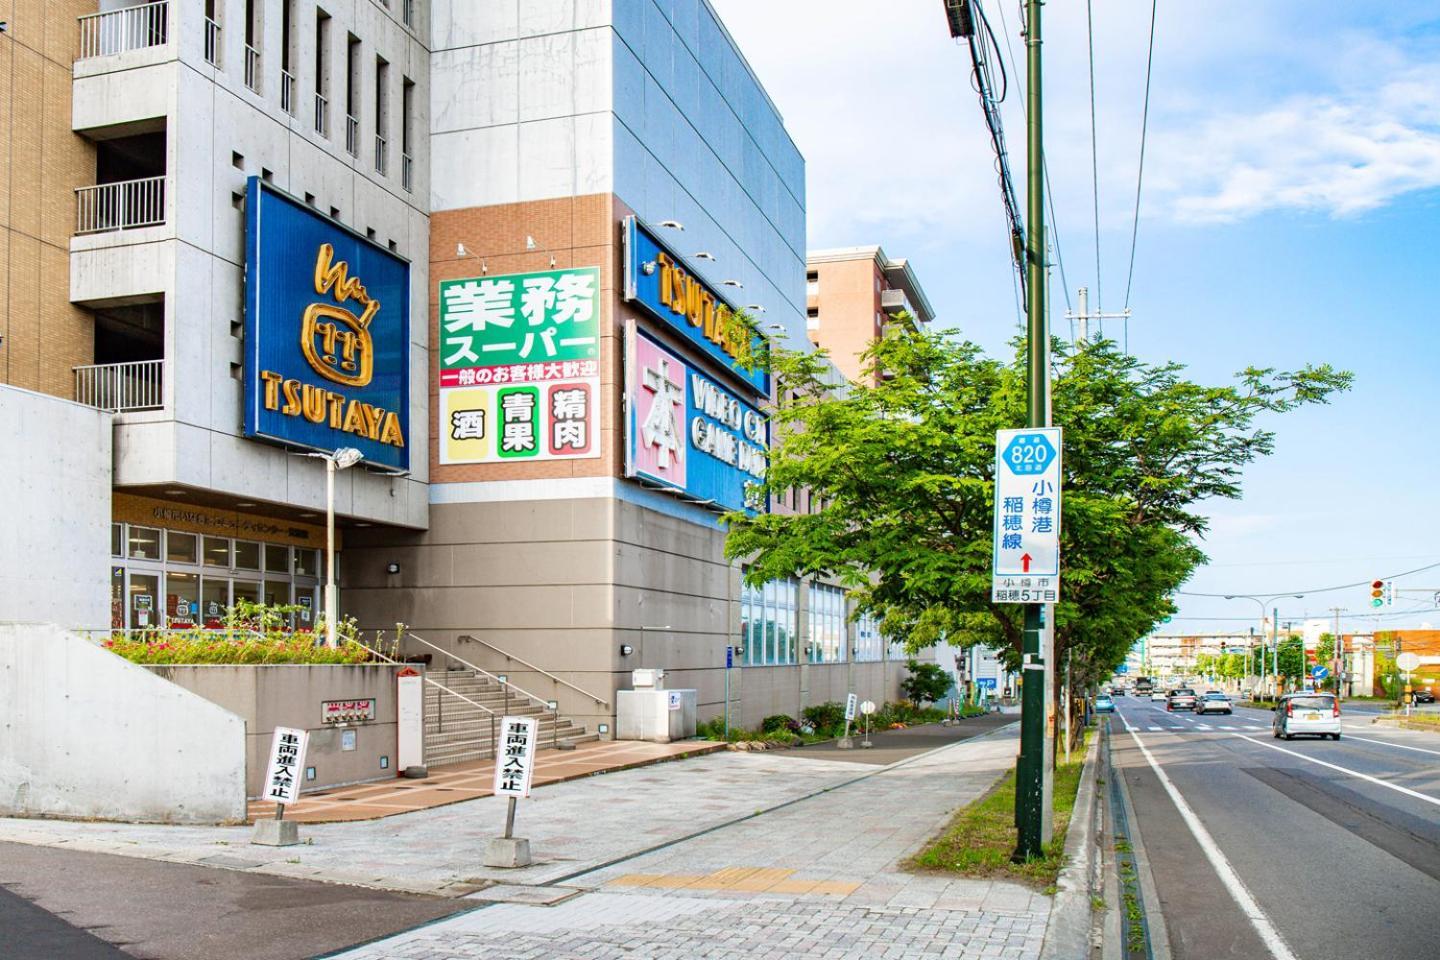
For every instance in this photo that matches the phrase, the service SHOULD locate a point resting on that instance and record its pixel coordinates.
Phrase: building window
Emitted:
(826, 608)
(144, 543)
(769, 620)
(869, 644)
(117, 540)
(212, 32)
(181, 548)
(217, 552)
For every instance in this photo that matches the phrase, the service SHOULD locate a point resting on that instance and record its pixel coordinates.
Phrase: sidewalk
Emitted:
(817, 878)
(726, 855)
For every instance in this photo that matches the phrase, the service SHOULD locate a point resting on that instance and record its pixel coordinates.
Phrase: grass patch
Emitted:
(981, 837)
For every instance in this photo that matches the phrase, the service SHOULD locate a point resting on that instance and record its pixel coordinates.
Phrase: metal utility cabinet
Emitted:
(650, 712)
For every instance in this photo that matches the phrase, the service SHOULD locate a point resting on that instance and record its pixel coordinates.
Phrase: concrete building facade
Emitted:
(582, 198)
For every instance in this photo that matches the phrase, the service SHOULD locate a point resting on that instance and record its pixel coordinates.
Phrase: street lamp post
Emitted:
(341, 459)
(1263, 602)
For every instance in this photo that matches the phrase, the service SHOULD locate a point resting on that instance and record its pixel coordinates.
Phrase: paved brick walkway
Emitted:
(815, 878)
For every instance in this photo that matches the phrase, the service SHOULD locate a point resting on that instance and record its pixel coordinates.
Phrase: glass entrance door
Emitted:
(144, 609)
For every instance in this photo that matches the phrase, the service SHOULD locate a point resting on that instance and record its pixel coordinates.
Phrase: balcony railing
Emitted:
(406, 173)
(138, 385)
(381, 155)
(322, 115)
(212, 42)
(125, 205)
(352, 135)
(407, 12)
(252, 68)
(129, 28)
(287, 92)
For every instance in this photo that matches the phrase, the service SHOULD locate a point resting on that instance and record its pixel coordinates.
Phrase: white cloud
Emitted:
(1334, 154)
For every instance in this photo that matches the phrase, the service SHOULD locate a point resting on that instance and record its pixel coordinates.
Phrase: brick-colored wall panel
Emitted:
(67, 333)
(22, 347)
(25, 139)
(69, 160)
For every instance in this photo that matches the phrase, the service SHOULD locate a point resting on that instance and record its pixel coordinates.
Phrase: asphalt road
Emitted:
(73, 905)
(1308, 849)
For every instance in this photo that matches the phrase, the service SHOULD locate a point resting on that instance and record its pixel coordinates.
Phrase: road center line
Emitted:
(1354, 773)
(1387, 743)
(1268, 934)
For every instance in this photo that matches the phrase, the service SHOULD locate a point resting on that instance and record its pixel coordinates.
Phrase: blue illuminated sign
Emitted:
(660, 282)
(689, 433)
(327, 333)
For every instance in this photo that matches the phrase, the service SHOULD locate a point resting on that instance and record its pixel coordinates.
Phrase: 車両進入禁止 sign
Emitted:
(327, 333)
(515, 759)
(660, 282)
(287, 764)
(520, 367)
(1026, 559)
(687, 432)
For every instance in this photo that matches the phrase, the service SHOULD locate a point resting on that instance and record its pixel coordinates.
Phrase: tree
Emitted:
(927, 683)
(903, 472)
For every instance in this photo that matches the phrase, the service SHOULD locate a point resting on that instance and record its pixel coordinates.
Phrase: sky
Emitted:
(1290, 214)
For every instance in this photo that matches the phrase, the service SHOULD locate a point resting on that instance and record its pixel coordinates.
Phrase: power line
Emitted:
(1343, 586)
(1094, 153)
(1140, 173)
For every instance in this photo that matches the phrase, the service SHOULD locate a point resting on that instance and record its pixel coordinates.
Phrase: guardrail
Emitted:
(406, 174)
(287, 92)
(252, 68)
(381, 154)
(352, 135)
(120, 31)
(118, 387)
(124, 205)
(212, 42)
(322, 115)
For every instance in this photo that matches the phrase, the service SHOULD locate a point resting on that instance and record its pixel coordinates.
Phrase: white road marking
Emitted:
(1354, 773)
(1268, 934)
(1397, 746)
(1227, 728)
(1152, 728)
(1203, 726)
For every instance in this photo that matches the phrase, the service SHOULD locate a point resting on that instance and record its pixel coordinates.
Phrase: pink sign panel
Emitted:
(657, 401)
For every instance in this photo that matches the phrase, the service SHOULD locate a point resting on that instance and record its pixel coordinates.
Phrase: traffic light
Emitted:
(1382, 593)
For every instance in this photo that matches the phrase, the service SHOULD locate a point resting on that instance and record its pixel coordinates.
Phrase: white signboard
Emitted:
(850, 705)
(410, 714)
(515, 763)
(287, 762)
(1026, 557)
(1408, 661)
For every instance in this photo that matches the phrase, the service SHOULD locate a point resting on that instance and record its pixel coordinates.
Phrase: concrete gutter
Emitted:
(1068, 933)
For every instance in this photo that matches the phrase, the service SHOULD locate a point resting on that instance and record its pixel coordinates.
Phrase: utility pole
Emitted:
(1031, 773)
(1337, 654)
(1083, 316)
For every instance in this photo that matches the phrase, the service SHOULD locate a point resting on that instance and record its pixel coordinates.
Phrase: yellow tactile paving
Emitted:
(739, 880)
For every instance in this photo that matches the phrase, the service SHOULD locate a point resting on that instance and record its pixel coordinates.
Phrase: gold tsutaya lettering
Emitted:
(686, 296)
(292, 398)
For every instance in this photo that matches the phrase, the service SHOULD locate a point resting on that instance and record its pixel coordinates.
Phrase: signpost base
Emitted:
(844, 743)
(508, 852)
(276, 833)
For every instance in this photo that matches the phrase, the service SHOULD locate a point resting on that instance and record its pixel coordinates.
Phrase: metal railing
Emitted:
(212, 42)
(380, 155)
(406, 173)
(352, 135)
(124, 205)
(129, 28)
(407, 13)
(530, 666)
(322, 115)
(287, 92)
(252, 68)
(118, 387)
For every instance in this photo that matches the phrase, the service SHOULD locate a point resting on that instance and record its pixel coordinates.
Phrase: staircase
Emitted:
(457, 731)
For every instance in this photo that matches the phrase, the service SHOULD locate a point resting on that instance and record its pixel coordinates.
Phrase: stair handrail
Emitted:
(434, 683)
(504, 683)
(540, 670)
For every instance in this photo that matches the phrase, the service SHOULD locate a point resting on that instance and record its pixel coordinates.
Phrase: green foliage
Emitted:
(251, 633)
(927, 682)
(825, 716)
(904, 470)
(778, 723)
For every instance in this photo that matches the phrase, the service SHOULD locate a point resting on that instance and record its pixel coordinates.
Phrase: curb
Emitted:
(1068, 931)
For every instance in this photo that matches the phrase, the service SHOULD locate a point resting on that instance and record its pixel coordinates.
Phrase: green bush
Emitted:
(250, 633)
(824, 716)
(927, 683)
(779, 723)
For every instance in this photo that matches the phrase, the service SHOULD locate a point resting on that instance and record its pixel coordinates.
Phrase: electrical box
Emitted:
(658, 716)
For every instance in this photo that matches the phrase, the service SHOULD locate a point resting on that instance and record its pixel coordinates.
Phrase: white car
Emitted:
(1317, 714)
(1158, 696)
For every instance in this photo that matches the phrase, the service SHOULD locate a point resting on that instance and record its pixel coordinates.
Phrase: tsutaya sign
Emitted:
(687, 432)
(327, 333)
(658, 280)
(1026, 564)
(520, 367)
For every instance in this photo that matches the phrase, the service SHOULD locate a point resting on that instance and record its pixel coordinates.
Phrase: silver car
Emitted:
(1317, 714)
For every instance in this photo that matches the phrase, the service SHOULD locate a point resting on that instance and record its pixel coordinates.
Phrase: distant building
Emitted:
(851, 295)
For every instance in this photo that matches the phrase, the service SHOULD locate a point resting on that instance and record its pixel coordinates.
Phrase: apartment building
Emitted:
(851, 295)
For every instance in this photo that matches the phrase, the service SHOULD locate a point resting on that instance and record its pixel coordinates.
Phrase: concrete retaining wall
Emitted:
(86, 734)
(267, 696)
(55, 539)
